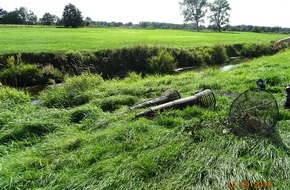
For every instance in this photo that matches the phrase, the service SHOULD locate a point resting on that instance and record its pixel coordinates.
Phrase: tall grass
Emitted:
(84, 146)
(74, 92)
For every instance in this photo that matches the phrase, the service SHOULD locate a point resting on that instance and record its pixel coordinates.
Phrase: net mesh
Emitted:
(255, 111)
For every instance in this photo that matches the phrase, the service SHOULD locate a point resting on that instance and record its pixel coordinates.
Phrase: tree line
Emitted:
(71, 17)
(194, 12)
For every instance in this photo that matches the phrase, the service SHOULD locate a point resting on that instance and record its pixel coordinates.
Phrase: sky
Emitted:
(248, 12)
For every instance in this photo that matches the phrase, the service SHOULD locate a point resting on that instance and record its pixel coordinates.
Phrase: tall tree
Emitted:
(20, 16)
(3, 14)
(219, 15)
(72, 17)
(88, 21)
(193, 11)
(48, 19)
(31, 18)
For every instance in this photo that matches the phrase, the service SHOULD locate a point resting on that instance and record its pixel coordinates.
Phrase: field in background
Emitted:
(37, 39)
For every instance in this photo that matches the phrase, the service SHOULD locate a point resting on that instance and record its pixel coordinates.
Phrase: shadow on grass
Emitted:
(26, 130)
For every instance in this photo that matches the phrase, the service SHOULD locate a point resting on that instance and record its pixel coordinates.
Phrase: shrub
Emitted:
(234, 50)
(199, 57)
(162, 63)
(184, 58)
(218, 54)
(256, 50)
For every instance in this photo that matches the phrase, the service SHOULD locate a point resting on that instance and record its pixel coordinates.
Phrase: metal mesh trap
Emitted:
(204, 98)
(254, 112)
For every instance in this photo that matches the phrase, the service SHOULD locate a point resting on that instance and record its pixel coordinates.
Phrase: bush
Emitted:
(162, 63)
(234, 50)
(184, 58)
(256, 50)
(218, 55)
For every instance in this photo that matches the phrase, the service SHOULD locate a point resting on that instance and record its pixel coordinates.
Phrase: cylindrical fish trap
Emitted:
(205, 99)
(167, 96)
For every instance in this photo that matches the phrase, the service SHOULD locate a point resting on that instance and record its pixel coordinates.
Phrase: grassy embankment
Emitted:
(27, 39)
(82, 135)
(101, 145)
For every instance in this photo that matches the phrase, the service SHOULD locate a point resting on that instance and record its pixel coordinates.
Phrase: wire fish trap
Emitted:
(167, 96)
(204, 98)
(254, 112)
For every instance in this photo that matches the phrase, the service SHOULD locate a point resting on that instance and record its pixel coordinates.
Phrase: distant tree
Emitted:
(71, 16)
(129, 24)
(88, 21)
(219, 15)
(20, 16)
(48, 19)
(30, 17)
(3, 13)
(194, 11)
(13, 17)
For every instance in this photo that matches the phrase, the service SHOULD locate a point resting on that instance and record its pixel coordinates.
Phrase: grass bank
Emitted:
(87, 139)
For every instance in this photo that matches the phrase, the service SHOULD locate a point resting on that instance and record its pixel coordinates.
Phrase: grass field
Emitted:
(81, 135)
(31, 39)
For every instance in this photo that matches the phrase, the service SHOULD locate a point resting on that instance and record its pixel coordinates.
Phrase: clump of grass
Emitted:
(73, 92)
(162, 63)
(11, 95)
(21, 74)
(112, 103)
(21, 131)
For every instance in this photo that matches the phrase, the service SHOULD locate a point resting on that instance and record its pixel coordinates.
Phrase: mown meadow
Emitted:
(37, 39)
(81, 135)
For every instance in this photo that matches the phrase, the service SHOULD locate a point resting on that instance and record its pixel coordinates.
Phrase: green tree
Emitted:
(219, 15)
(88, 21)
(194, 11)
(20, 16)
(48, 19)
(72, 17)
(3, 14)
(13, 18)
(30, 17)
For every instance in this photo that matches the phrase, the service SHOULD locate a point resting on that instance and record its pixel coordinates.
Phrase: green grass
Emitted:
(87, 146)
(37, 39)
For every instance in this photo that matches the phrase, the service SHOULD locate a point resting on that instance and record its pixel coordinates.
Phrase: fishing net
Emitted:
(254, 112)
